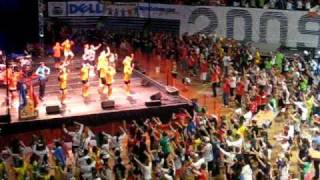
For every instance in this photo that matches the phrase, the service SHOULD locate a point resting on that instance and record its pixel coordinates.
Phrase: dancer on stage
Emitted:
(84, 75)
(128, 67)
(57, 54)
(92, 57)
(63, 78)
(43, 73)
(102, 68)
(110, 72)
(12, 80)
(85, 56)
(67, 49)
(92, 54)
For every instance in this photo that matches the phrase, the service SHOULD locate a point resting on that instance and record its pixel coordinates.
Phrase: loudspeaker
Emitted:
(53, 109)
(153, 103)
(5, 118)
(145, 83)
(107, 104)
(156, 96)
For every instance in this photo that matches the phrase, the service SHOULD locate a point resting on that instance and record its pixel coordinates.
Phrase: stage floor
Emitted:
(76, 106)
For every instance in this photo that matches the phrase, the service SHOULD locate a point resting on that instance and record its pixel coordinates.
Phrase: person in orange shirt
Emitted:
(84, 76)
(12, 80)
(215, 79)
(67, 50)
(63, 78)
(127, 70)
(57, 54)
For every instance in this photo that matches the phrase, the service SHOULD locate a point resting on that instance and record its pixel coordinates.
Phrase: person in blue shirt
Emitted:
(43, 73)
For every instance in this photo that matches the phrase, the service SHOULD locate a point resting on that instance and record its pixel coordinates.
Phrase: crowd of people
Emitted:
(196, 145)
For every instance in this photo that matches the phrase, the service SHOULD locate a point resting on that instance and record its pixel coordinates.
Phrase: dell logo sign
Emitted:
(85, 8)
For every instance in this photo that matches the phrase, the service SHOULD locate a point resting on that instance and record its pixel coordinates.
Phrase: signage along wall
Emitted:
(290, 28)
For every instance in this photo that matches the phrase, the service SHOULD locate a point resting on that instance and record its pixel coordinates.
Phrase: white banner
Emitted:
(56, 9)
(289, 28)
(92, 8)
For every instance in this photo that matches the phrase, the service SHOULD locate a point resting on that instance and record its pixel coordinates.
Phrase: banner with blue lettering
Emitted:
(289, 28)
(91, 8)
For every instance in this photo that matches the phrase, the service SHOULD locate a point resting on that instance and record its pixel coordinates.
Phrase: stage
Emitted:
(90, 112)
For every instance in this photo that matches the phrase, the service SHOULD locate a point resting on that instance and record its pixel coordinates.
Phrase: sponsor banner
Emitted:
(56, 9)
(289, 28)
(96, 8)
(161, 11)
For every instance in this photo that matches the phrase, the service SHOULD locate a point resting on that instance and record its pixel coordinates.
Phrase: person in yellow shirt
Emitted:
(21, 171)
(67, 50)
(63, 78)
(110, 72)
(102, 69)
(84, 75)
(258, 57)
(128, 67)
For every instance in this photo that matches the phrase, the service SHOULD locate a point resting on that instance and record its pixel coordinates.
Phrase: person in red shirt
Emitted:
(226, 91)
(215, 79)
(263, 101)
(204, 70)
(202, 174)
(239, 91)
(253, 105)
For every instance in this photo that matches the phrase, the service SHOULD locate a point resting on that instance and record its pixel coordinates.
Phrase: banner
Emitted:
(56, 9)
(289, 28)
(91, 8)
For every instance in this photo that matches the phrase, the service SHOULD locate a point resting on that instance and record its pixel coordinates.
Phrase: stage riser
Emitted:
(94, 120)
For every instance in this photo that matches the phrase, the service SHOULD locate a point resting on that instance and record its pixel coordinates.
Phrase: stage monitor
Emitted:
(107, 104)
(53, 110)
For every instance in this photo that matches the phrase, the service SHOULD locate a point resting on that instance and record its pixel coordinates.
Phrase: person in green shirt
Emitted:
(165, 144)
(303, 85)
(273, 103)
(268, 65)
(279, 60)
(305, 166)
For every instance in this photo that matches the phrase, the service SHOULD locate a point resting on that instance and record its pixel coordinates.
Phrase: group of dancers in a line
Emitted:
(104, 65)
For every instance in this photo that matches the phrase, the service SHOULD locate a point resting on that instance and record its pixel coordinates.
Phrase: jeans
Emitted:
(226, 98)
(316, 168)
(42, 87)
(22, 95)
(214, 89)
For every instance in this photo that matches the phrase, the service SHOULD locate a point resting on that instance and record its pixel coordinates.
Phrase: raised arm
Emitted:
(81, 126)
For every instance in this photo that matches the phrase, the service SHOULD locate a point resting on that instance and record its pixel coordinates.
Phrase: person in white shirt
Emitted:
(87, 169)
(169, 173)
(226, 61)
(76, 136)
(208, 154)
(200, 160)
(85, 55)
(41, 150)
(246, 172)
(92, 53)
(146, 169)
